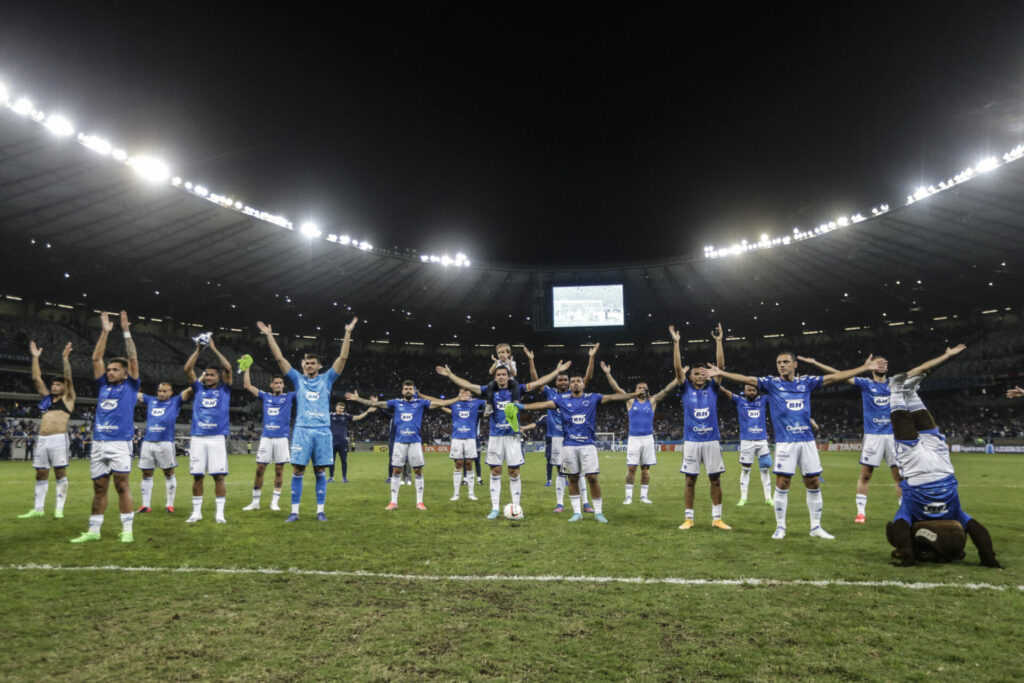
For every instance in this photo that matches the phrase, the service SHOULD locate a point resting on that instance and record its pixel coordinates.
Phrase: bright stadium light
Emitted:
(986, 165)
(23, 106)
(150, 169)
(60, 126)
(4, 94)
(344, 239)
(119, 154)
(95, 143)
(310, 230)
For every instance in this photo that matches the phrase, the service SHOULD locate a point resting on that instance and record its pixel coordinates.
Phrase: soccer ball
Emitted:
(513, 512)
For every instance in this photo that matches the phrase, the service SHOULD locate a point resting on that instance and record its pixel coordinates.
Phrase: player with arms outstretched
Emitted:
(277, 423)
(752, 416)
(340, 420)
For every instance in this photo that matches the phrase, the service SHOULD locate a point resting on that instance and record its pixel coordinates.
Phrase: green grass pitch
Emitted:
(113, 624)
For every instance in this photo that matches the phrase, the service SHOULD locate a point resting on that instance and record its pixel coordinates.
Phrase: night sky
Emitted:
(526, 134)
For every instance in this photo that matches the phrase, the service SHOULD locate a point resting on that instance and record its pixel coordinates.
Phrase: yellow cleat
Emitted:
(719, 524)
(688, 524)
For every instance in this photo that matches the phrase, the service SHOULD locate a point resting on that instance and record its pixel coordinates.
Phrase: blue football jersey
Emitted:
(211, 410)
(579, 417)
(753, 417)
(700, 412)
(115, 409)
(339, 426)
(874, 397)
(791, 405)
(641, 418)
(499, 423)
(465, 416)
(160, 417)
(554, 417)
(408, 418)
(313, 397)
(277, 414)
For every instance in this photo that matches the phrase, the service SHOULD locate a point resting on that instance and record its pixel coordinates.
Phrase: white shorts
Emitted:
(556, 451)
(640, 450)
(876, 448)
(106, 457)
(463, 449)
(506, 450)
(157, 454)
(51, 452)
(413, 452)
(273, 450)
(792, 454)
(208, 455)
(580, 460)
(752, 450)
(697, 452)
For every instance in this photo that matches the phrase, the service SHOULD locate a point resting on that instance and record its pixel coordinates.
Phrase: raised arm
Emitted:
(550, 377)
(442, 403)
(713, 372)
(363, 415)
(37, 373)
(529, 357)
(346, 342)
(677, 356)
(186, 394)
(821, 366)
(871, 364)
(98, 366)
(607, 369)
(539, 405)
(369, 402)
(620, 396)
(224, 363)
(664, 392)
(716, 334)
(69, 385)
(935, 362)
(445, 371)
(589, 374)
(247, 384)
(275, 350)
(129, 347)
(190, 365)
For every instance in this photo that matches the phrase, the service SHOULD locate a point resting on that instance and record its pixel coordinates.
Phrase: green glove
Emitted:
(244, 363)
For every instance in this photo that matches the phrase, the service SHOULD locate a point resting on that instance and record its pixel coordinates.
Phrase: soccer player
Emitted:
(878, 445)
(211, 426)
(701, 440)
(465, 417)
(790, 397)
(555, 431)
(408, 442)
(273, 448)
(52, 448)
(752, 415)
(158, 442)
(311, 439)
(113, 428)
(640, 443)
(339, 438)
(930, 489)
(579, 453)
(504, 445)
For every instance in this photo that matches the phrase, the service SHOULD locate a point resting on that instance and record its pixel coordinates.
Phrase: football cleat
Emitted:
(719, 524)
(601, 518)
(30, 514)
(911, 384)
(421, 506)
(344, 480)
(126, 537)
(547, 484)
(576, 517)
(275, 507)
(455, 497)
(769, 501)
(170, 508)
(493, 514)
(219, 519)
(628, 501)
(687, 524)
(252, 506)
(193, 518)
(647, 501)
(294, 517)
(587, 507)
(472, 497)
(392, 506)
(860, 518)
(896, 383)
(86, 536)
(321, 517)
(559, 508)
(144, 508)
(743, 501)
(58, 514)
(330, 480)
(780, 532)
(818, 532)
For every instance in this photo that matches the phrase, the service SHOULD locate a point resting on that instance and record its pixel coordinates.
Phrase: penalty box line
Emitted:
(506, 578)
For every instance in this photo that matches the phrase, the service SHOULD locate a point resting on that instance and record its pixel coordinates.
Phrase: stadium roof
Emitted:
(81, 230)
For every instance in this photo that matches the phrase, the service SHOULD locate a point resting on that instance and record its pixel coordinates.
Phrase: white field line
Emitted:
(506, 578)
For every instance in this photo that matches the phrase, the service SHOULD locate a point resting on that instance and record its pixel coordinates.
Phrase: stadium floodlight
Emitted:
(310, 230)
(150, 168)
(176, 181)
(365, 246)
(60, 126)
(986, 165)
(4, 94)
(446, 260)
(344, 239)
(95, 143)
(119, 154)
(23, 106)
(424, 257)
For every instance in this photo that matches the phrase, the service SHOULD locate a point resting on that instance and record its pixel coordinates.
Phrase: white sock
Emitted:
(862, 503)
(689, 513)
(914, 402)
(197, 505)
(766, 482)
(471, 482)
(146, 485)
(744, 481)
(126, 521)
(457, 481)
(560, 489)
(515, 487)
(419, 488)
(644, 488)
(41, 488)
(95, 522)
(320, 507)
(219, 502)
(577, 506)
(583, 489)
(629, 492)
(598, 505)
(275, 497)
(396, 481)
(256, 495)
(171, 484)
(62, 493)
(295, 508)
(716, 511)
(781, 503)
(495, 492)
(814, 506)
(897, 402)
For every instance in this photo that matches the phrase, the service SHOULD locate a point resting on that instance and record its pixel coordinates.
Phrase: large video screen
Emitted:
(593, 306)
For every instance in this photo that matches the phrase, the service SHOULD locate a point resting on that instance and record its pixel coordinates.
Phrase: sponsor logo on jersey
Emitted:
(312, 395)
(208, 425)
(407, 432)
(273, 411)
(753, 414)
(579, 419)
(801, 387)
(702, 413)
(156, 428)
(881, 421)
(881, 401)
(703, 430)
(795, 403)
(754, 430)
(464, 414)
(934, 508)
(209, 402)
(797, 429)
(157, 412)
(500, 405)
(406, 417)
(108, 404)
(105, 428)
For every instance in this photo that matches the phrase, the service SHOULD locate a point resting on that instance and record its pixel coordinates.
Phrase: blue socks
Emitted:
(296, 489)
(321, 487)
